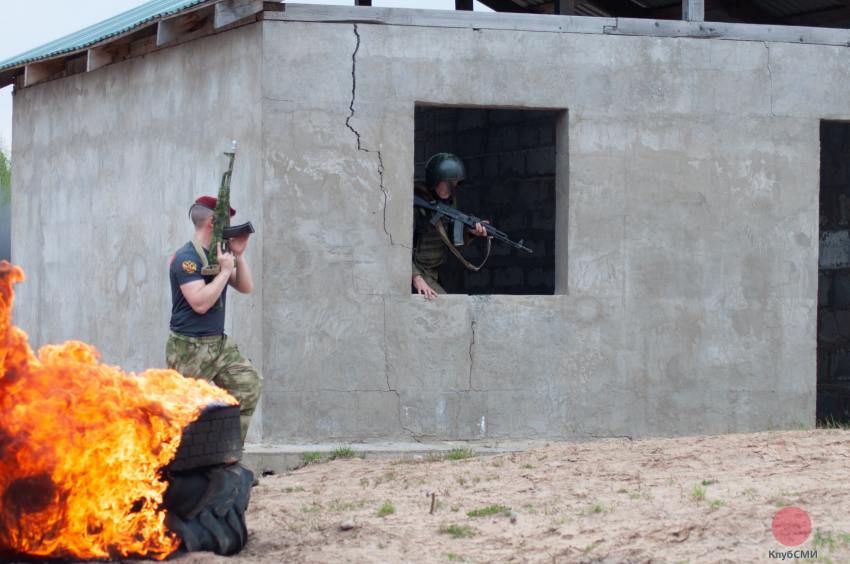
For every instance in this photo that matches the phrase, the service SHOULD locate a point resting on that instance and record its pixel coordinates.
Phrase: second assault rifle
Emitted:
(460, 219)
(222, 231)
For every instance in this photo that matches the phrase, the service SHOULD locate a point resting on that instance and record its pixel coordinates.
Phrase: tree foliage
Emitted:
(5, 177)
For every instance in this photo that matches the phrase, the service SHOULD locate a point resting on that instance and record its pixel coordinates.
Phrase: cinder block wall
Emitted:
(686, 238)
(510, 161)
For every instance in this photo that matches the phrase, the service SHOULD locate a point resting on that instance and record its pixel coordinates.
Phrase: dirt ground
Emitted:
(698, 499)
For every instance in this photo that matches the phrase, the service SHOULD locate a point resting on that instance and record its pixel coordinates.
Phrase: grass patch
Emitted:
(342, 452)
(823, 539)
(698, 493)
(386, 509)
(594, 509)
(489, 510)
(717, 503)
(312, 508)
(708, 482)
(311, 458)
(460, 454)
(457, 531)
(293, 489)
(832, 423)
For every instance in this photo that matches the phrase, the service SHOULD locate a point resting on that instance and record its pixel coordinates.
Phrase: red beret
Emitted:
(210, 202)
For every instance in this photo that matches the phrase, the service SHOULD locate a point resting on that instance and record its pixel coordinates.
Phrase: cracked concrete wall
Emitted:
(107, 164)
(687, 229)
(687, 226)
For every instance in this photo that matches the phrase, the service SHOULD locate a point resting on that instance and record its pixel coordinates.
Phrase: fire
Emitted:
(82, 444)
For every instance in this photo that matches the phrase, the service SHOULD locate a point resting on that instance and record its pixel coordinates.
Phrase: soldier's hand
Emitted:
(239, 244)
(226, 260)
(423, 288)
(480, 230)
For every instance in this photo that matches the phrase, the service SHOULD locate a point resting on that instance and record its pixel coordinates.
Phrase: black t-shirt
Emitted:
(186, 267)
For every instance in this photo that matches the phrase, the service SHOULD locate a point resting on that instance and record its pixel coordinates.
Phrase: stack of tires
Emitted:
(209, 491)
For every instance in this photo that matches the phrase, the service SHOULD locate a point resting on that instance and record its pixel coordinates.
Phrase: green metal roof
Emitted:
(117, 25)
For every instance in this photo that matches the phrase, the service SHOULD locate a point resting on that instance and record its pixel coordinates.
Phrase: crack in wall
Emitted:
(356, 133)
(411, 432)
(471, 356)
(770, 77)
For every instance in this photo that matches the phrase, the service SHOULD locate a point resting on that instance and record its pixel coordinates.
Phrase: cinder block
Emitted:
(512, 164)
(503, 139)
(541, 161)
(840, 289)
(507, 277)
(824, 288)
(529, 136)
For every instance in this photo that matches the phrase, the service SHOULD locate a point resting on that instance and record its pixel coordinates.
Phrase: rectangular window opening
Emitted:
(833, 339)
(513, 179)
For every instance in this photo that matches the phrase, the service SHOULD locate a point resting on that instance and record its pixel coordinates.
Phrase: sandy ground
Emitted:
(698, 499)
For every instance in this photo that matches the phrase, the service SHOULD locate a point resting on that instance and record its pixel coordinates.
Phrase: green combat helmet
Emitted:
(444, 166)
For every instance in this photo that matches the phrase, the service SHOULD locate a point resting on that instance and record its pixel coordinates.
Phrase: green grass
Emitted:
(594, 509)
(698, 493)
(489, 510)
(708, 482)
(823, 539)
(460, 454)
(311, 457)
(717, 504)
(832, 423)
(457, 531)
(342, 452)
(386, 509)
(294, 489)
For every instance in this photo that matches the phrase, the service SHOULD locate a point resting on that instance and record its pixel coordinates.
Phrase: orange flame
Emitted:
(82, 444)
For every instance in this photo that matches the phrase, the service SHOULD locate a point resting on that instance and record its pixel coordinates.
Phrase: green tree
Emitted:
(5, 177)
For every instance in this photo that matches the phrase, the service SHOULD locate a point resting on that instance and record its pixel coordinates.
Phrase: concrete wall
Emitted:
(687, 228)
(109, 163)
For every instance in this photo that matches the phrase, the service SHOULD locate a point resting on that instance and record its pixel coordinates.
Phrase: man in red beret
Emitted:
(197, 346)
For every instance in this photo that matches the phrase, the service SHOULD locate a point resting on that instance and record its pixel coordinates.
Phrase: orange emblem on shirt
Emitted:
(189, 267)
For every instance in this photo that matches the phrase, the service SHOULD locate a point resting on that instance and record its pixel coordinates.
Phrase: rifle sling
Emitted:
(200, 250)
(441, 230)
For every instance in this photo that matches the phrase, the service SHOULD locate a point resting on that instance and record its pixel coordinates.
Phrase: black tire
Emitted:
(206, 507)
(213, 438)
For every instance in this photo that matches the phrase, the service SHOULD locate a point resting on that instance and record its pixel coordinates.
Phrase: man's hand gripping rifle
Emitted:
(461, 219)
(222, 231)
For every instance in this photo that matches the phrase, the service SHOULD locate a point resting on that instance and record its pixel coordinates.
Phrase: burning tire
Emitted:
(206, 507)
(213, 438)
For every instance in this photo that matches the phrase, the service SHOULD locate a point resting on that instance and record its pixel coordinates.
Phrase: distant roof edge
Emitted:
(116, 25)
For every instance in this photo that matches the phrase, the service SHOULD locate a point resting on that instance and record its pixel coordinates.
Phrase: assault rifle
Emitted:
(460, 219)
(222, 231)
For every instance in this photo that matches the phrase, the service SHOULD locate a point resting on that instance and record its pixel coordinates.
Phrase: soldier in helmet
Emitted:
(443, 174)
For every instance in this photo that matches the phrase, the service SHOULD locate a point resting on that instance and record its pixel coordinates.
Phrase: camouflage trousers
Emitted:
(216, 359)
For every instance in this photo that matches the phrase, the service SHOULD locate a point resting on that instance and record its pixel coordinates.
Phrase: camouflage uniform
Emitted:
(197, 346)
(429, 250)
(216, 359)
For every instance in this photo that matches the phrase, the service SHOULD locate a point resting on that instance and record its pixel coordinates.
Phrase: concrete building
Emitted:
(668, 172)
